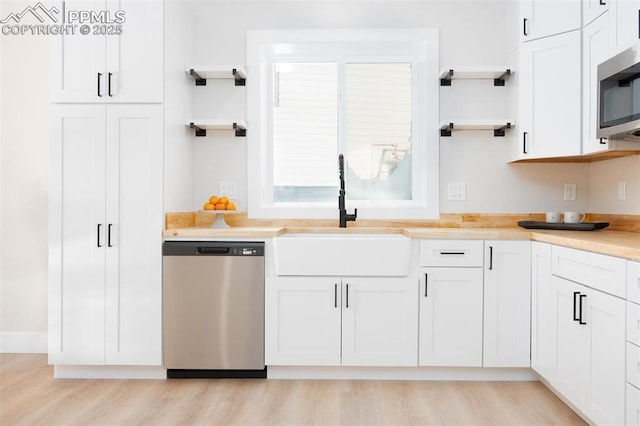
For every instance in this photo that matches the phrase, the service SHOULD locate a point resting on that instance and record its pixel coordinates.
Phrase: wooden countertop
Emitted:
(613, 243)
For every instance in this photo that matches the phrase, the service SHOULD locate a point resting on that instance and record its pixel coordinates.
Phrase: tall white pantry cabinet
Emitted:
(106, 207)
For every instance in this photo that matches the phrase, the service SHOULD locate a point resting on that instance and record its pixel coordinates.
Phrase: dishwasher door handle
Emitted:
(212, 250)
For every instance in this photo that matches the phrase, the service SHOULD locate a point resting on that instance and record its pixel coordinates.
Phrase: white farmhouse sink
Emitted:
(342, 254)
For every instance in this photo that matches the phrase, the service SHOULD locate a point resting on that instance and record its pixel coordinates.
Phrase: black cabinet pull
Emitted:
(638, 23)
(524, 26)
(335, 296)
(426, 285)
(99, 78)
(452, 253)
(109, 235)
(602, 3)
(603, 141)
(98, 237)
(109, 85)
(347, 295)
(524, 143)
(580, 321)
(575, 306)
(490, 258)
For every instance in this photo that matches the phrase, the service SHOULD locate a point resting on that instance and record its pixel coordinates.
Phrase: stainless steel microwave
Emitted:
(619, 96)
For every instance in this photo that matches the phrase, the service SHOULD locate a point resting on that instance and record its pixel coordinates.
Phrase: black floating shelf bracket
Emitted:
(199, 131)
(500, 80)
(239, 131)
(199, 80)
(445, 131)
(501, 131)
(446, 81)
(239, 80)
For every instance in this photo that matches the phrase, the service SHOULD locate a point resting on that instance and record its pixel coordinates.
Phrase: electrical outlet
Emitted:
(622, 190)
(457, 191)
(570, 191)
(227, 188)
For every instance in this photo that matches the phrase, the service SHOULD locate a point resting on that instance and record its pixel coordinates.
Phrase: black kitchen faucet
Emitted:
(344, 217)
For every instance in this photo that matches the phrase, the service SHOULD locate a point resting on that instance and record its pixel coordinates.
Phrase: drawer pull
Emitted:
(452, 253)
(426, 285)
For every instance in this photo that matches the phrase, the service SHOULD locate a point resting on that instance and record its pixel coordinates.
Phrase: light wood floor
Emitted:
(30, 395)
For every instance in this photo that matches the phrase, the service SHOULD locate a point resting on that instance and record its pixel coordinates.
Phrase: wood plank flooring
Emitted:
(30, 396)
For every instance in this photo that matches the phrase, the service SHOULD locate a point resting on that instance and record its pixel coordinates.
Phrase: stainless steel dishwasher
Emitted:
(213, 309)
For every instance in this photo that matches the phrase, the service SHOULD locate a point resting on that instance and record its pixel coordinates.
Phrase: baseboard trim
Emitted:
(23, 343)
(108, 372)
(403, 373)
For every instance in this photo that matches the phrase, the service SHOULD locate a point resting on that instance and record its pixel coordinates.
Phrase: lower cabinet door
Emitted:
(451, 317)
(379, 322)
(544, 313)
(302, 321)
(573, 341)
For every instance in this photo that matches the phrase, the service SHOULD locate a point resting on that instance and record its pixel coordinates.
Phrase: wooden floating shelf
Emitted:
(498, 126)
(202, 74)
(497, 74)
(201, 126)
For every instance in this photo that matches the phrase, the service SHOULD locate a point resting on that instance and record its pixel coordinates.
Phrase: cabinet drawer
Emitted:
(633, 323)
(599, 271)
(633, 364)
(451, 253)
(633, 281)
(633, 405)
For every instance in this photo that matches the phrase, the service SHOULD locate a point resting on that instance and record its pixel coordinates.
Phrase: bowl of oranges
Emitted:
(220, 206)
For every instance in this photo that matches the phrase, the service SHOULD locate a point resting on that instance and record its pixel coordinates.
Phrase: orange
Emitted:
(214, 199)
(224, 200)
(209, 206)
(231, 205)
(220, 206)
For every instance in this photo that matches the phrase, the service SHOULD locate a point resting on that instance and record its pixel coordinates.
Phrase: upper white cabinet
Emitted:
(542, 18)
(624, 21)
(507, 304)
(591, 9)
(550, 96)
(116, 62)
(106, 222)
(595, 50)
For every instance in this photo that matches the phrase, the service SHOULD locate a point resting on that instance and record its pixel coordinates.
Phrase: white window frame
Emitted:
(418, 46)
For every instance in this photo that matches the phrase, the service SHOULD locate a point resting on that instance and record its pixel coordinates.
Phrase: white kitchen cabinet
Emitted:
(451, 303)
(632, 416)
(380, 322)
(111, 67)
(451, 317)
(591, 9)
(595, 50)
(302, 320)
(507, 304)
(591, 351)
(105, 235)
(550, 97)
(353, 321)
(624, 21)
(542, 18)
(544, 312)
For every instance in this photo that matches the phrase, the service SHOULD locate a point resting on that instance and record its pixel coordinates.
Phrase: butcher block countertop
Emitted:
(611, 241)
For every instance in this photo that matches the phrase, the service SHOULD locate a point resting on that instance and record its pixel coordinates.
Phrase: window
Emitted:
(370, 95)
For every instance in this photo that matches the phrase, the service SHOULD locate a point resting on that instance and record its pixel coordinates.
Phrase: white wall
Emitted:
(25, 167)
(604, 177)
(471, 34)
